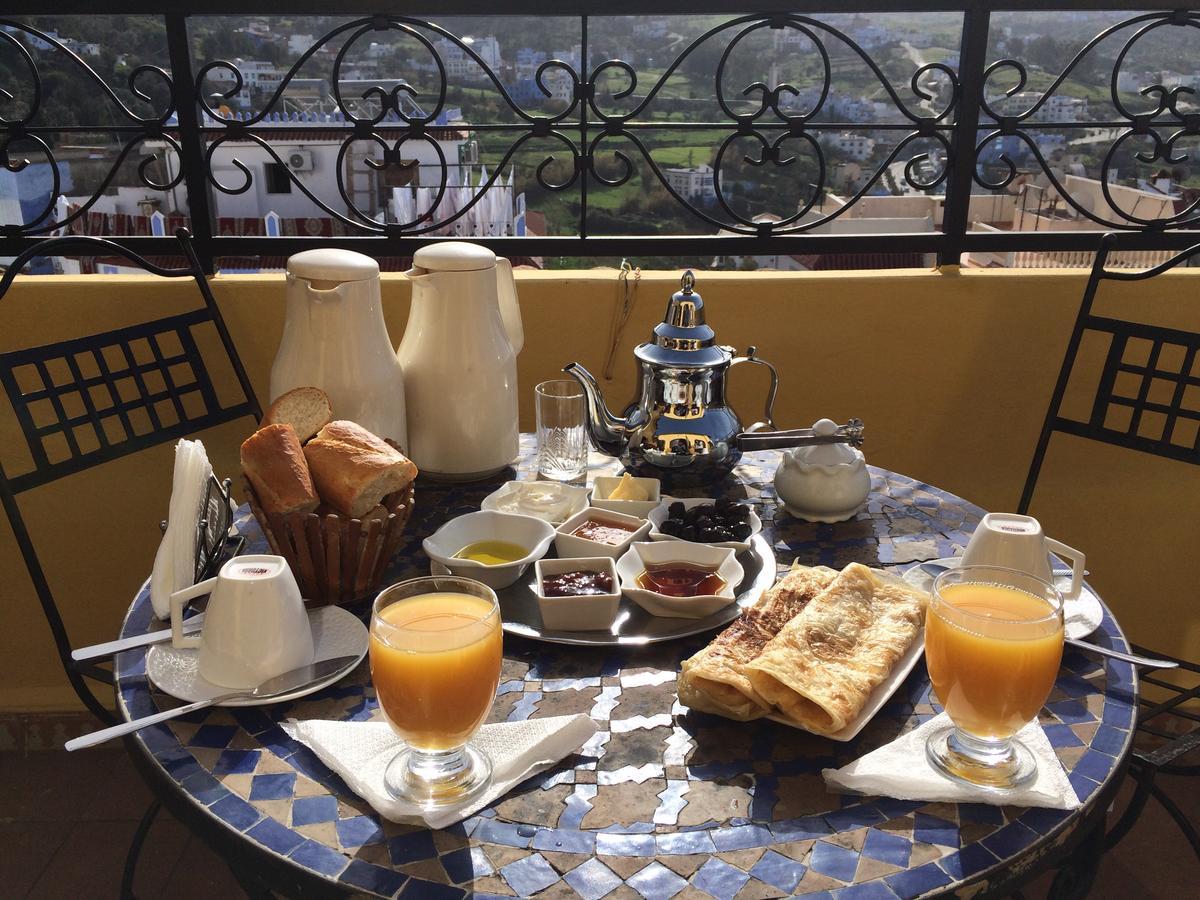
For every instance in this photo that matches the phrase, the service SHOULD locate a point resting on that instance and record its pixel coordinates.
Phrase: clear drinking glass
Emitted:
(436, 650)
(561, 437)
(993, 644)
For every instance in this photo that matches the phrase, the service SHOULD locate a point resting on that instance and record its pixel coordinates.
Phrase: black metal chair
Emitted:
(89, 400)
(1129, 410)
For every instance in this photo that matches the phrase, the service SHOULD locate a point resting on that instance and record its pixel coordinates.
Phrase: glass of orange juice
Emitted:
(993, 645)
(435, 662)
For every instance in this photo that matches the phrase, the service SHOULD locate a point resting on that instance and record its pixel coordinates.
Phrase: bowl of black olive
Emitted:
(718, 523)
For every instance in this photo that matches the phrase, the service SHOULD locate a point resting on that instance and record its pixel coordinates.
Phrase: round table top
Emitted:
(662, 801)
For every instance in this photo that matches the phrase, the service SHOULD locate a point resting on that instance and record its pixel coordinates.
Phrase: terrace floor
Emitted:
(66, 822)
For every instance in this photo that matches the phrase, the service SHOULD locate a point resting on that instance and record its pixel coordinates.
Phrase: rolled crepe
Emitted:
(821, 667)
(712, 680)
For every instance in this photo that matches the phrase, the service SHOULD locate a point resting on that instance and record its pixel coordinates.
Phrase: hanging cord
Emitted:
(626, 299)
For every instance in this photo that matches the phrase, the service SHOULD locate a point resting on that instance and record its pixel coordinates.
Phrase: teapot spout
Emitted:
(609, 434)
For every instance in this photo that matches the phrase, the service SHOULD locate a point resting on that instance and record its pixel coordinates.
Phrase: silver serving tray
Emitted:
(519, 607)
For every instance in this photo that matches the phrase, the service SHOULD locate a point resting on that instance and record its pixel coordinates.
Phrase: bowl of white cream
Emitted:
(547, 500)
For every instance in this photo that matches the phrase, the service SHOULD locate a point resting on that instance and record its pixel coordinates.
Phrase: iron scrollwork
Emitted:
(773, 126)
(607, 128)
(391, 127)
(24, 129)
(1133, 126)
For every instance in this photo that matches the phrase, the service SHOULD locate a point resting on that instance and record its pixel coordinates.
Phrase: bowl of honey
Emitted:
(679, 580)
(492, 547)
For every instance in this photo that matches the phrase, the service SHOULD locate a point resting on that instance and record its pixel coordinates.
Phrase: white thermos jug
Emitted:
(459, 354)
(334, 338)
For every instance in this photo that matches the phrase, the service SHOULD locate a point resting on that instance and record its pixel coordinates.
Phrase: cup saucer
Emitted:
(1081, 616)
(335, 632)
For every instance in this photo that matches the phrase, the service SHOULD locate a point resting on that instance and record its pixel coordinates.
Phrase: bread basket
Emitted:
(336, 559)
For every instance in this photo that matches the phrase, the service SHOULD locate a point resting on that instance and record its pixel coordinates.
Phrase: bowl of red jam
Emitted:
(595, 532)
(580, 594)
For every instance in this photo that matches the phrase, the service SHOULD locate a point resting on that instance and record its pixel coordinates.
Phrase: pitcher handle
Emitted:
(510, 310)
(1078, 560)
(769, 422)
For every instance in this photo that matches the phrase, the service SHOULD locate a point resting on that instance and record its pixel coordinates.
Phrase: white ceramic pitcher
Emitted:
(335, 338)
(459, 355)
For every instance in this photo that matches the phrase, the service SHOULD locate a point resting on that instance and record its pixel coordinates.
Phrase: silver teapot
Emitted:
(679, 421)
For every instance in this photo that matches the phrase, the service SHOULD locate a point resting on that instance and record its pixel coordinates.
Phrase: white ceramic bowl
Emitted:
(488, 525)
(633, 563)
(603, 485)
(569, 545)
(658, 515)
(586, 612)
(575, 498)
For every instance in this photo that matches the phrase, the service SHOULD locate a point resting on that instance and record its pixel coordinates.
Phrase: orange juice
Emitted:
(435, 662)
(993, 652)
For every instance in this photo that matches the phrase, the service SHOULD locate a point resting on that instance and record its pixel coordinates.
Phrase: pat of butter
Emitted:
(628, 489)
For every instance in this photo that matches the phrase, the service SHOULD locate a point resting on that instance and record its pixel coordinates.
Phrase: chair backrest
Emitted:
(89, 400)
(1147, 394)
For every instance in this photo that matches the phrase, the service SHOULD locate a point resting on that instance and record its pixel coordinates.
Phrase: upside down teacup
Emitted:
(1018, 542)
(255, 626)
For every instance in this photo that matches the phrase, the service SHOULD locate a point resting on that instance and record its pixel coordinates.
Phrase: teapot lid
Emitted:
(454, 256)
(683, 338)
(330, 264)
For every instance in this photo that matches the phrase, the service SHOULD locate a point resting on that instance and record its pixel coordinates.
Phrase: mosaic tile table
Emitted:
(662, 802)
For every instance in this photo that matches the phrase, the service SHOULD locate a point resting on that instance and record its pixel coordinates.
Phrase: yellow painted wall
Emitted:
(950, 370)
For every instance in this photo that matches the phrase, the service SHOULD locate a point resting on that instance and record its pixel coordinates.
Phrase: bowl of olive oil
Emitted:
(492, 547)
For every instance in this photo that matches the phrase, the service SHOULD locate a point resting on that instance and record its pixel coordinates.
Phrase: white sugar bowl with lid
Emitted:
(825, 482)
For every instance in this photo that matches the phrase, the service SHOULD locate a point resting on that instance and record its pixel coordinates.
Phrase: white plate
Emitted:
(658, 515)
(336, 632)
(1082, 615)
(882, 693)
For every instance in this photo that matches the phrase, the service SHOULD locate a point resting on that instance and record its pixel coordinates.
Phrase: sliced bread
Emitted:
(306, 409)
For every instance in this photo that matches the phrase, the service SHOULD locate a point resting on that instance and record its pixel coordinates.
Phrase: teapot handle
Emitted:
(769, 422)
(510, 310)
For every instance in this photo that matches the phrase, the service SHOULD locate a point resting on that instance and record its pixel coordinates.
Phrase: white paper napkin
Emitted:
(361, 751)
(900, 770)
(175, 561)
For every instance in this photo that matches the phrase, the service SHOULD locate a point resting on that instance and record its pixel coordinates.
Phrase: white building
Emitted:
(259, 74)
(461, 66)
(310, 156)
(298, 43)
(852, 145)
(694, 183)
(1057, 108)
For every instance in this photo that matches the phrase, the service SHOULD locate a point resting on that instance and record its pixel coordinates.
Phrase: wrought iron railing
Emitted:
(944, 120)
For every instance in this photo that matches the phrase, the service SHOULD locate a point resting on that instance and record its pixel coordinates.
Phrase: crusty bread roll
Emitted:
(306, 409)
(353, 469)
(273, 460)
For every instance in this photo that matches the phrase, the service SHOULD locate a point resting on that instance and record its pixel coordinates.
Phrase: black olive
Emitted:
(688, 532)
(676, 510)
(742, 531)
